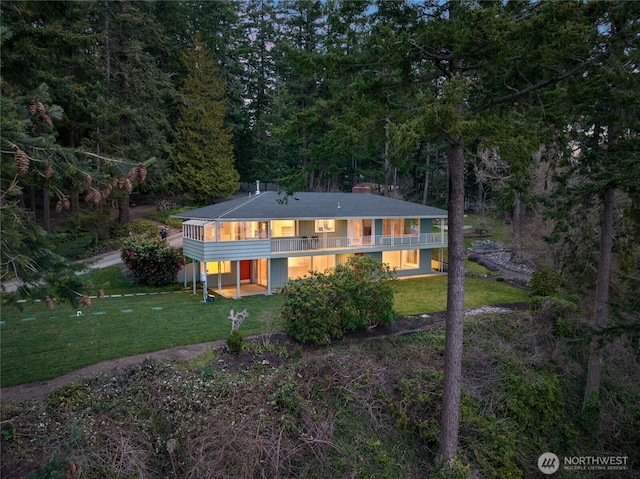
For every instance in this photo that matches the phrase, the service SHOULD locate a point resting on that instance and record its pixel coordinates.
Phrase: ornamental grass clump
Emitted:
(151, 261)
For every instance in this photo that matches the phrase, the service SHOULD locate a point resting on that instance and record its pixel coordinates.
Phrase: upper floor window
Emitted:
(283, 228)
(242, 230)
(195, 229)
(400, 226)
(204, 230)
(325, 226)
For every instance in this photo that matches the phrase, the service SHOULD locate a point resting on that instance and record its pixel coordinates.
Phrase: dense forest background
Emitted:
(528, 110)
(103, 99)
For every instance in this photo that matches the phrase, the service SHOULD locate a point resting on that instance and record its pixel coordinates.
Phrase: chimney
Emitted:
(361, 189)
(257, 187)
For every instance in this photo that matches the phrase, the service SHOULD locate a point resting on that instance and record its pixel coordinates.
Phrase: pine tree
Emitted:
(203, 156)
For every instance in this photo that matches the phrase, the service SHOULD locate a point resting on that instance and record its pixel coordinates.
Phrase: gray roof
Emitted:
(272, 205)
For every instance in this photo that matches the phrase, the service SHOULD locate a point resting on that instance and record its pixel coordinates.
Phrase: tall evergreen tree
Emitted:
(254, 108)
(468, 64)
(203, 156)
(132, 95)
(602, 173)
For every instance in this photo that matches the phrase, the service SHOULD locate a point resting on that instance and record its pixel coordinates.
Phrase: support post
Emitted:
(268, 275)
(238, 279)
(193, 271)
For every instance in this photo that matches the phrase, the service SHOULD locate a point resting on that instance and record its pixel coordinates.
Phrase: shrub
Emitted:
(151, 261)
(72, 243)
(489, 265)
(454, 470)
(135, 228)
(310, 311)
(534, 398)
(544, 282)
(555, 310)
(235, 342)
(476, 258)
(366, 288)
(358, 295)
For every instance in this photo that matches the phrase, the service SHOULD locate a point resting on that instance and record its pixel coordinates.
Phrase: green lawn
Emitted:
(430, 294)
(38, 344)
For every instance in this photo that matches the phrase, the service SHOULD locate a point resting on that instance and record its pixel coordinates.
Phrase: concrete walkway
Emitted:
(113, 258)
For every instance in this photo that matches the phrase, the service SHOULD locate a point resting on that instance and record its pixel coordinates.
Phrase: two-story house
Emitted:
(259, 242)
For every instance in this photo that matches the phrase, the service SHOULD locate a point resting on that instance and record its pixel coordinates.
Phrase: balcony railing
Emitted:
(288, 245)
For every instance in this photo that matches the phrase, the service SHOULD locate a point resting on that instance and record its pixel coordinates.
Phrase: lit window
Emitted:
(325, 226)
(402, 260)
(323, 263)
(215, 267)
(283, 228)
(299, 267)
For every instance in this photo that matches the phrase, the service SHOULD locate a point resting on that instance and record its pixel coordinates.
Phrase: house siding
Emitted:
(279, 272)
(337, 244)
(226, 250)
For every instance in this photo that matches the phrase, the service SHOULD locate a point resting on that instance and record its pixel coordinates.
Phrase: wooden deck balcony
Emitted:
(301, 244)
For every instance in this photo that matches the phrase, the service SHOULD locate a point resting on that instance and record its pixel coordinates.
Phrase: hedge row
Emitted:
(476, 258)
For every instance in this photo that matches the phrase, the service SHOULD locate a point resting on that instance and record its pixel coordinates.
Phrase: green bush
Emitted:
(544, 282)
(534, 399)
(455, 470)
(135, 228)
(366, 288)
(322, 306)
(310, 312)
(555, 310)
(72, 243)
(235, 342)
(492, 441)
(151, 261)
(164, 215)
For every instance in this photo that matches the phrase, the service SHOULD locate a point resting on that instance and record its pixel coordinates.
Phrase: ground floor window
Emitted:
(323, 263)
(403, 259)
(215, 267)
(300, 266)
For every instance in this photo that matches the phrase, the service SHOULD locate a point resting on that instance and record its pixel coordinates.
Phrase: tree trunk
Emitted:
(75, 204)
(387, 163)
(519, 222)
(426, 177)
(46, 209)
(600, 316)
(32, 198)
(123, 209)
(450, 419)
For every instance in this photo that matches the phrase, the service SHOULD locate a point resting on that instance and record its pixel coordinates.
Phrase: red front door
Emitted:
(245, 270)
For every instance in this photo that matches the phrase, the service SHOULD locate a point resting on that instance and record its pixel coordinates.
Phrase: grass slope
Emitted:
(358, 409)
(39, 344)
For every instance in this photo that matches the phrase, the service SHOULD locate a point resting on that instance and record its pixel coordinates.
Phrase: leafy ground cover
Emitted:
(360, 408)
(39, 344)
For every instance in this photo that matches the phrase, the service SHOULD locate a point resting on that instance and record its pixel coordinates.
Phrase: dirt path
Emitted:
(25, 392)
(401, 326)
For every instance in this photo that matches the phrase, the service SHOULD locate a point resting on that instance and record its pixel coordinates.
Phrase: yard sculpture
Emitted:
(237, 319)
